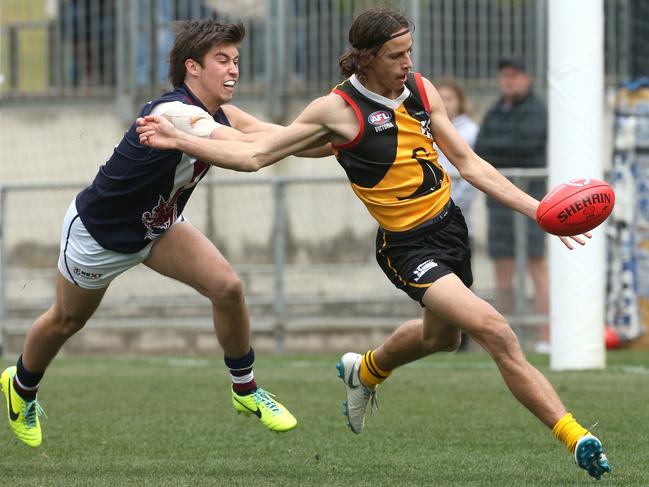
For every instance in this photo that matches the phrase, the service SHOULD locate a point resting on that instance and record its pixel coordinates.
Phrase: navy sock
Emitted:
(243, 378)
(26, 382)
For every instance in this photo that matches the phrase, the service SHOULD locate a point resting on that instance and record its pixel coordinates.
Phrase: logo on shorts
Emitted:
(381, 119)
(91, 276)
(423, 268)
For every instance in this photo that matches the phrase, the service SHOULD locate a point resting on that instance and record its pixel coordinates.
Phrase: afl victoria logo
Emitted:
(379, 117)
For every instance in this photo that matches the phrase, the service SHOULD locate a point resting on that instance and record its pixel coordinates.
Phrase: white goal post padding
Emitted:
(575, 150)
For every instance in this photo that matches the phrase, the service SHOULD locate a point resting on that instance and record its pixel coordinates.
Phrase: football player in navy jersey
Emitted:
(132, 214)
(382, 121)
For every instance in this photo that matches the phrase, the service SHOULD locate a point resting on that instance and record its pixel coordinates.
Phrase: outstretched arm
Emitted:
(476, 170)
(252, 129)
(309, 129)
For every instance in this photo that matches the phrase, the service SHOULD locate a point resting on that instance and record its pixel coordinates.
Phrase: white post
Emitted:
(575, 150)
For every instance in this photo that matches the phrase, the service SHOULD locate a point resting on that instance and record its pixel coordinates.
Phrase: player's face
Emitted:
(389, 69)
(220, 72)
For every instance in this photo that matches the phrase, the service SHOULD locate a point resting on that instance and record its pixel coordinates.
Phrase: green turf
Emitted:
(445, 420)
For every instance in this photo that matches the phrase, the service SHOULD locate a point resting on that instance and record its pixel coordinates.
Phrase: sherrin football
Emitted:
(575, 207)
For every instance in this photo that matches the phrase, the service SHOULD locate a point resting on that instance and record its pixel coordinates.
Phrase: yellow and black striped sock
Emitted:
(371, 375)
(569, 431)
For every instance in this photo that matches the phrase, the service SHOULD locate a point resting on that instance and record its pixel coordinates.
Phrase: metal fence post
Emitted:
(415, 13)
(520, 256)
(55, 52)
(540, 59)
(125, 58)
(14, 57)
(276, 60)
(2, 260)
(279, 258)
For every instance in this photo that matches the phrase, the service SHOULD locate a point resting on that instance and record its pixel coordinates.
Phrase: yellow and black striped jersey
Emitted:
(391, 163)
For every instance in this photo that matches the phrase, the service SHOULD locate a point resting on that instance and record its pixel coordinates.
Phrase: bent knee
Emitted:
(498, 337)
(63, 324)
(227, 287)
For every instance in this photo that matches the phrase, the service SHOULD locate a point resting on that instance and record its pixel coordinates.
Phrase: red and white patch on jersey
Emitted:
(379, 117)
(160, 218)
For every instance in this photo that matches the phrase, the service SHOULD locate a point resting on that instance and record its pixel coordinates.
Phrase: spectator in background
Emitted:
(455, 103)
(514, 135)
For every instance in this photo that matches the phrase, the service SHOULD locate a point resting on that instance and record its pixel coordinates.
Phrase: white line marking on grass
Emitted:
(306, 364)
(188, 362)
(317, 363)
(629, 369)
(180, 362)
(454, 365)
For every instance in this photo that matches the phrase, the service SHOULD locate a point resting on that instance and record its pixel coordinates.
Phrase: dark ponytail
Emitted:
(356, 61)
(369, 31)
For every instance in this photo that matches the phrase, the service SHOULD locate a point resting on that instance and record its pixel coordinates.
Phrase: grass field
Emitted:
(445, 420)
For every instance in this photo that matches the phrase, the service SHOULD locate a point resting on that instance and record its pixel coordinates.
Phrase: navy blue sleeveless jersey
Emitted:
(139, 192)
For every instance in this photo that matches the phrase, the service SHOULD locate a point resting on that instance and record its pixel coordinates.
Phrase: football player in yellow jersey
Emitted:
(381, 122)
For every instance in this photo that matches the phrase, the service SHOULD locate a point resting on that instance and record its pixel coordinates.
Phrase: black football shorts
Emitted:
(414, 259)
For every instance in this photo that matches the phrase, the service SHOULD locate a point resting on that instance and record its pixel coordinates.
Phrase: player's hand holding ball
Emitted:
(575, 207)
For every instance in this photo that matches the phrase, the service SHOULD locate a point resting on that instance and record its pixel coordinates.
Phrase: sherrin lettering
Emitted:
(575, 207)
(581, 204)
